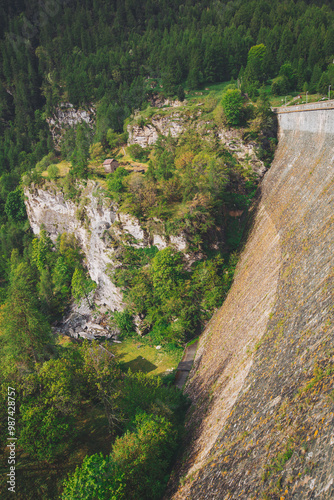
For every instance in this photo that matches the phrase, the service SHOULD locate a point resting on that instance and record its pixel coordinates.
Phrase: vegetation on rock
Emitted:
(115, 57)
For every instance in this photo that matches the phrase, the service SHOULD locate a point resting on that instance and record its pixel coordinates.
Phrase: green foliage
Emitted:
(101, 53)
(138, 153)
(280, 85)
(82, 286)
(255, 69)
(142, 393)
(180, 93)
(42, 255)
(91, 480)
(69, 187)
(172, 302)
(123, 322)
(48, 411)
(45, 162)
(141, 457)
(150, 416)
(287, 71)
(15, 207)
(55, 269)
(96, 152)
(75, 146)
(114, 139)
(25, 333)
(166, 272)
(53, 172)
(68, 143)
(162, 165)
(102, 377)
(135, 469)
(115, 181)
(233, 103)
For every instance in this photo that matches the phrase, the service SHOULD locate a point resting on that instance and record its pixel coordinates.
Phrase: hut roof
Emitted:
(109, 161)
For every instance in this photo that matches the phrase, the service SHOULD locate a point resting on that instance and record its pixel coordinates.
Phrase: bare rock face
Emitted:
(246, 153)
(99, 227)
(66, 116)
(177, 122)
(159, 102)
(147, 135)
(89, 224)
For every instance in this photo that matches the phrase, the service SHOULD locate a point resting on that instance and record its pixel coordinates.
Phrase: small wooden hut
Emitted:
(110, 165)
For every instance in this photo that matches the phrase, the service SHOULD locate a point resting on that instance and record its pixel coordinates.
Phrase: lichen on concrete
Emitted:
(262, 421)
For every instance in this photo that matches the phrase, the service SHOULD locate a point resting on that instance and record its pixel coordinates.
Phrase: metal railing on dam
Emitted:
(313, 106)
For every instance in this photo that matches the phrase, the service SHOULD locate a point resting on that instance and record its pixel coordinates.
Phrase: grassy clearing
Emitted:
(64, 168)
(138, 356)
(292, 98)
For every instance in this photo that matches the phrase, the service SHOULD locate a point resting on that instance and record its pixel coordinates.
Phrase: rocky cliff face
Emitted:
(262, 421)
(177, 122)
(146, 135)
(66, 116)
(99, 227)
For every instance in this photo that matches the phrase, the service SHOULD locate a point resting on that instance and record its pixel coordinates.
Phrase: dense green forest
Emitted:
(103, 52)
(114, 55)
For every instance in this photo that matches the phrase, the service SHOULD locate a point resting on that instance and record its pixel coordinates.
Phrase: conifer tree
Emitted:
(25, 333)
(82, 286)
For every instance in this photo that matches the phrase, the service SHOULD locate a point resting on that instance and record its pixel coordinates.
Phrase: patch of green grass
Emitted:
(216, 88)
(292, 99)
(64, 168)
(138, 356)
(277, 463)
(193, 341)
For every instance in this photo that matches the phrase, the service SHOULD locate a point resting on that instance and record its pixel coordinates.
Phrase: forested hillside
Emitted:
(223, 61)
(103, 52)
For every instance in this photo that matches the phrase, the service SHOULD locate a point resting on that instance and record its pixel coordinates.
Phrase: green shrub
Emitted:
(45, 162)
(115, 181)
(69, 187)
(136, 468)
(138, 153)
(96, 151)
(15, 207)
(232, 102)
(280, 85)
(124, 322)
(53, 172)
(114, 139)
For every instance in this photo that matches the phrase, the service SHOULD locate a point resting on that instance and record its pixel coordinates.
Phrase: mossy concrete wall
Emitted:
(261, 425)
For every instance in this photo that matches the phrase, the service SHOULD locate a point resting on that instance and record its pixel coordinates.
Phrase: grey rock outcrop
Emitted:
(92, 225)
(65, 117)
(176, 122)
(246, 153)
(147, 135)
(100, 229)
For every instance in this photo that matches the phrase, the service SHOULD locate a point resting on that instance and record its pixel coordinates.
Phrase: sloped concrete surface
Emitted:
(262, 421)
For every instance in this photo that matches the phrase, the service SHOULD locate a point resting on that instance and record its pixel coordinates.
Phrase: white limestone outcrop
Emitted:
(99, 227)
(67, 116)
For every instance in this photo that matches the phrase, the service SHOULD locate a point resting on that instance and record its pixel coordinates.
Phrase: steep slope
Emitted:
(262, 422)
(100, 228)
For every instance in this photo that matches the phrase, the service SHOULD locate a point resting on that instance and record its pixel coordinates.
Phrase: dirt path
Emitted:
(185, 365)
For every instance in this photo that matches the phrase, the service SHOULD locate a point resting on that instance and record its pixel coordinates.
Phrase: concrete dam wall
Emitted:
(261, 425)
